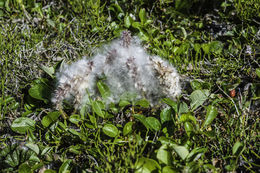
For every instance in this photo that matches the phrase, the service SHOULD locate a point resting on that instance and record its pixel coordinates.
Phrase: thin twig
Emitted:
(229, 98)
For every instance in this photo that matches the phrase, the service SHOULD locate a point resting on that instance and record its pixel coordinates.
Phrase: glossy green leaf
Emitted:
(143, 103)
(198, 97)
(128, 21)
(34, 158)
(169, 169)
(46, 150)
(171, 103)
(97, 108)
(110, 130)
(33, 147)
(166, 115)
(183, 108)
(188, 127)
(153, 123)
(65, 167)
(188, 117)
(237, 148)
(142, 16)
(23, 124)
(49, 70)
(128, 128)
(75, 119)
(103, 89)
(181, 151)
(13, 158)
(142, 119)
(124, 103)
(212, 113)
(40, 92)
(50, 118)
(146, 165)
(164, 155)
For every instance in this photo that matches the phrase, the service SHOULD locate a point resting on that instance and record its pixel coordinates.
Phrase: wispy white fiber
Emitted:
(125, 67)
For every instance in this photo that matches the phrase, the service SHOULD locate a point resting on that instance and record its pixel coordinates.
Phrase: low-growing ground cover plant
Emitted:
(212, 126)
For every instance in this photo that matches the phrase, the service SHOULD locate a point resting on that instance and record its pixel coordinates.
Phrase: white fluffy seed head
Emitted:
(127, 67)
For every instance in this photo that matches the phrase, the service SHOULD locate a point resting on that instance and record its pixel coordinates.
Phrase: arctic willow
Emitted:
(125, 67)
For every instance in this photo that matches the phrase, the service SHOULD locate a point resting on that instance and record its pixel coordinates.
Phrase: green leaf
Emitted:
(51, 23)
(97, 107)
(110, 130)
(65, 167)
(40, 92)
(75, 119)
(153, 123)
(165, 115)
(169, 169)
(128, 128)
(237, 148)
(194, 154)
(198, 97)
(196, 85)
(33, 147)
(136, 25)
(142, 119)
(103, 89)
(210, 116)
(183, 108)
(22, 125)
(49, 70)
(142, 16)
(188, 117)
(143, 103)
(164, 155)
(146, 165)
(171, 103)
(258, 72)
(50, 118)
(124, 103)
(13, 158)
(188, 127)
(128, 21)
(46, 150)
(181, 151)
(34, 158)
(24, 168)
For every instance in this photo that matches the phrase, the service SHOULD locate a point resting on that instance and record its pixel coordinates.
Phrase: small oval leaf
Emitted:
(33, 147)
(210, 116)
(165, 115)
(97, 108)
(23, 124)
(110, 130)
(50, 118)
(153, 123)
(128, 128)
(237, 148)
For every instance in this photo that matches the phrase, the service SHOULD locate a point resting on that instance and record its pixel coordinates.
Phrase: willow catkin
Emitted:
(126, 67)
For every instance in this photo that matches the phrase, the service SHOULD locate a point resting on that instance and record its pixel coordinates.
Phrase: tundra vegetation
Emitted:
(212, 126)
